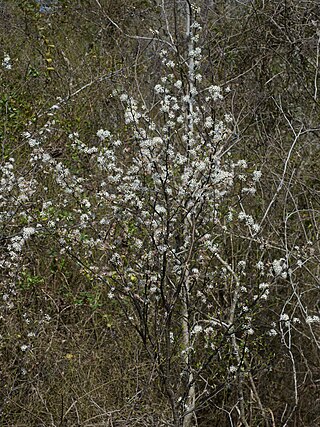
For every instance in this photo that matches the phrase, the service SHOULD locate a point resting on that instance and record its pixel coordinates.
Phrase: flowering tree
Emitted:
(153, 227)
(160, 209)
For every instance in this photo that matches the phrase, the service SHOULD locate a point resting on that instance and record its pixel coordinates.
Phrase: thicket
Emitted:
(159, 220)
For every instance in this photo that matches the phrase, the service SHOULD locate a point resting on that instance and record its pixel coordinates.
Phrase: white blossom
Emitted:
(103, 134)
(256, 175)
(159, 89)
(197, 329)
(312, 319)
(27, 232)
(170, 64)
(279, 265)
(215, 92)
(228, 118)
(6, 63)
(260, 265)
(123, 97)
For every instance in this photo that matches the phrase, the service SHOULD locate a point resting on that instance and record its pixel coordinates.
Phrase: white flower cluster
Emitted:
(196, 329)
(249, 190)
(208, 124)
(6, 63)
(249, 221)
(264, 288)
(81, 147)
(178, 84)
(103, 134)
(196, 53)
(279, 267)
(260, 266)
(131, 115)
(256, 175)
(215, 92)
(28, 232)
(312, 319)
(159, 89)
